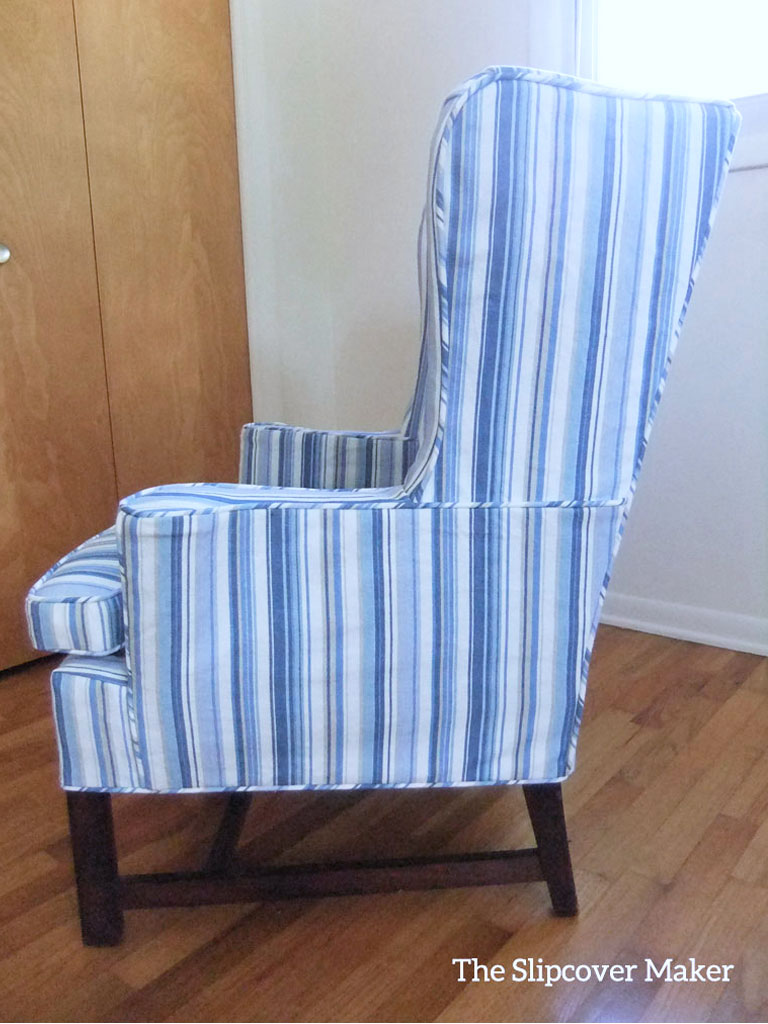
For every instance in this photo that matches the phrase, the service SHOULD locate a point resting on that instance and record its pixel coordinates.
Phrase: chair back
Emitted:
(564, 226)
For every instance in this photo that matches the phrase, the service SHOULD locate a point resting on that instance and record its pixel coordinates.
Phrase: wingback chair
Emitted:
(414, 608)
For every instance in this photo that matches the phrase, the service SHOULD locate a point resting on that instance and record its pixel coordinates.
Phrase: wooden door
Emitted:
(57, 484)
(160, 127)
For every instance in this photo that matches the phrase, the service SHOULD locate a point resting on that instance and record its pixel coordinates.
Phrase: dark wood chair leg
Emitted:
(545, 807)
(103, 895)
(95, 857)
(229, 831)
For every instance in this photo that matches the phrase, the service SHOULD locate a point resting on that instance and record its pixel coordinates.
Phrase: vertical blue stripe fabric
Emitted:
(402, 646)
(77, 606)
(418, 608)
(279, 455)
(566, 222)
(93, 714)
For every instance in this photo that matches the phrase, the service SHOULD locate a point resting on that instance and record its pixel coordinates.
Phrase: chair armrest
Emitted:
(176, 500)
(77, 606)
(276, 640)
(278, 455)
(199, 499)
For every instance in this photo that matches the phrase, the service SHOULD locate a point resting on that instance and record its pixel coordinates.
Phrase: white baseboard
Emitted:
(686, 622)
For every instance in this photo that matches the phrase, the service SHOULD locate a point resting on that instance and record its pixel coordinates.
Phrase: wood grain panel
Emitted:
(160, 131)
(57, 482)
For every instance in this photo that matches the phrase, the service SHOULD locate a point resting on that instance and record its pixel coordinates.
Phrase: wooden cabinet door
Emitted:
(158, 100)
(57, 484)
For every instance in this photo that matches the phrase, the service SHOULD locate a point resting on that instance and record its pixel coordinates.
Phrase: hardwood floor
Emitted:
(668, 815)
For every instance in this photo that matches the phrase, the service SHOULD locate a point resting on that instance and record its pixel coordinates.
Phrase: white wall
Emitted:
(336, 102)
(694, 561)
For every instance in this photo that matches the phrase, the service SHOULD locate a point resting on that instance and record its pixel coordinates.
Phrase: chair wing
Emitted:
(565, 224)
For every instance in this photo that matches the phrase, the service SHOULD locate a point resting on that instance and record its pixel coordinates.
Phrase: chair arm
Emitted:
(281, 641)
(283, 456)
(178, 500)
(77, 606)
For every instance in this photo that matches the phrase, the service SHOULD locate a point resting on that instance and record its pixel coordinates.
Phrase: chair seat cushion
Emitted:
(77, 606)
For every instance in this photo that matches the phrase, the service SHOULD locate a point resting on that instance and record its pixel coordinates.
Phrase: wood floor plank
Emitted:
(667, 814)
(750, 799)
(591, 938)
(666, 794)
(734, 915)
(183, 933)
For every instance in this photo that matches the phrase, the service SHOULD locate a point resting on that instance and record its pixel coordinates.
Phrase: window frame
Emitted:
(751, 150)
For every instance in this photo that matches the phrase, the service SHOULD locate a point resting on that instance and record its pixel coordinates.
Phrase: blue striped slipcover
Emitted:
(77, 606)
(418, 608)
(284, 456)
